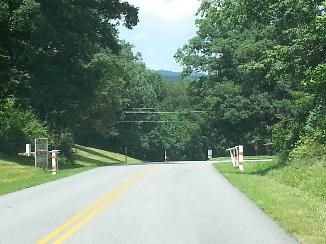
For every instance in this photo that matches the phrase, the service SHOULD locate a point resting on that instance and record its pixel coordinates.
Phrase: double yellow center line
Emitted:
(66, 230)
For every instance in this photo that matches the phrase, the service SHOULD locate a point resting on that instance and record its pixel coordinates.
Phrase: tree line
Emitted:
(264, 83)
(66, 75)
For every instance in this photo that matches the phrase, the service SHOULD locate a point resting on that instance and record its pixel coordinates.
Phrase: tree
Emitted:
(51, 54)
(255, 56)
(18, 127)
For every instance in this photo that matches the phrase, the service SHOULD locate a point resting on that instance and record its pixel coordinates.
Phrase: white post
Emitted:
(236, 152)
(241, 160)
(28, 150)
(35, 153)
(54, 161)
(165, 156)
(232, 157)
(126, 157)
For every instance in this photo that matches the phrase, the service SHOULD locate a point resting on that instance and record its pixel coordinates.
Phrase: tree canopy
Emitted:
(65, 74)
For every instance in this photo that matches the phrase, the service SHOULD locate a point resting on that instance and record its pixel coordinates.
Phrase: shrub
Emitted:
(312, 143)
(63, 141)
(285, 134)
(308, 148)
(18, 127)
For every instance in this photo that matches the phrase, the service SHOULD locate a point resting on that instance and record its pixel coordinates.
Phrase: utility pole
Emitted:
(126, 152)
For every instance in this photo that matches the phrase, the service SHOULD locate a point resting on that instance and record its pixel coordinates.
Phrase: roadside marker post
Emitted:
(126, 155)
(237, 158)
(28, 151)
(54, 161)
(241, 160)
(233, 156)
(236, 150)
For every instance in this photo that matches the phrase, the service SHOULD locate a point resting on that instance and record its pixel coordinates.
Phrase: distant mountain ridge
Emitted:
(170, 75)
(175, 76)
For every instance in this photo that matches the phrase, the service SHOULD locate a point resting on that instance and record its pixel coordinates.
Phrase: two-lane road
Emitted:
(185, 202)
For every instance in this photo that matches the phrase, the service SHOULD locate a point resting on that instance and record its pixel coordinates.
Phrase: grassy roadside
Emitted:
(296, 201)
(245, 158)
(88, 156)
(19, 173)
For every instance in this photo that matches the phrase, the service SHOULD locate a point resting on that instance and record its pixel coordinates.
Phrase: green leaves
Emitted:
(260, 59)
(316, 81)
(23, 18)
(61, 58)
(17, 127)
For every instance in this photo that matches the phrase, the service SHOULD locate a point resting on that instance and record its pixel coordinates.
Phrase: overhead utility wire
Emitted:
(162, 112)
(148, 121)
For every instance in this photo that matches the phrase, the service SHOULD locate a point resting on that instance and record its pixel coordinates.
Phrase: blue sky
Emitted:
(164, 26)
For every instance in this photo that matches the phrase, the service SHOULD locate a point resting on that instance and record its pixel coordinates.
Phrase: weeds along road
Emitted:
(185, 202)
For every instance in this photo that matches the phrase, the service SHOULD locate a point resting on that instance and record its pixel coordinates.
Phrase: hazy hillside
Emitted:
(175, 76)
(170, 75)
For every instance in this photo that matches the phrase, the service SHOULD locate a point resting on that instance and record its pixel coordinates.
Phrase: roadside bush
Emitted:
(312, 143)
(63, 141)
(18, 127)
(308, 148)
(285, 134)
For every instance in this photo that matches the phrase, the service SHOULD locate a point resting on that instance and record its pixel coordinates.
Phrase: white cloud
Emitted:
(171, 11)
(164, 26)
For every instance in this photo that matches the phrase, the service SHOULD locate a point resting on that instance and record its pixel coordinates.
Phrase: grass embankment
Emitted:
(88, 156)
(245, 158)
(294, 195)
(19, 173)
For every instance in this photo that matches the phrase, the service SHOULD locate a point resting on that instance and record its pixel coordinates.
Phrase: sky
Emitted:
(163, 27)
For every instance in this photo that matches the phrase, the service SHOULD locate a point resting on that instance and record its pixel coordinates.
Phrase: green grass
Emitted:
(245, 158)
(88, 156)
(19, 173)
(307, 177)
(286, 195)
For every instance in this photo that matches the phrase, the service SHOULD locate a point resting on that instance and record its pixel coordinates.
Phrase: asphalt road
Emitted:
(186, 202)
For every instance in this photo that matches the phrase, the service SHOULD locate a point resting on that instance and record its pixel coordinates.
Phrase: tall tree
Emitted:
(255, 55)
(51, 46)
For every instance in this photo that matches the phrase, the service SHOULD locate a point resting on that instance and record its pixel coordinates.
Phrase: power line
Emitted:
(163, 112)
(144, 108)
(148, 121)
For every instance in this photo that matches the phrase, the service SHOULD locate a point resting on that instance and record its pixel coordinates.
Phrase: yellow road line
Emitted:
(79, 220)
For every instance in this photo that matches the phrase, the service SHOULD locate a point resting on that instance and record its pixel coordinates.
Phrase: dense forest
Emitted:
(66, 75)
(265, 80)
